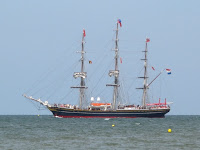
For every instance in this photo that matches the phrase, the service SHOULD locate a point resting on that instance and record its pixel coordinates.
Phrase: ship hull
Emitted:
(65, 113)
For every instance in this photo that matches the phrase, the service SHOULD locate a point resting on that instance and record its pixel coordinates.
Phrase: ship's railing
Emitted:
(68, 106)
(133, 107)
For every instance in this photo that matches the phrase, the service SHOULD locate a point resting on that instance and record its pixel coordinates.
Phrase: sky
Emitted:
(39, 40)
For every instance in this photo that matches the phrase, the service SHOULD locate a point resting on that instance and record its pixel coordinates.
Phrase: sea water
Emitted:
(50, 133)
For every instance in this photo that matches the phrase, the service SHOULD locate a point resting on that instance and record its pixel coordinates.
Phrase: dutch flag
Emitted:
(168, 71)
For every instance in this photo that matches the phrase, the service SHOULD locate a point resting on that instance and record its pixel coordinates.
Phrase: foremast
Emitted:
(115, 72)
(82, 75)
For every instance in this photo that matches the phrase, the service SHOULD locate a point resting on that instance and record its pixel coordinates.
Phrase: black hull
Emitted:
(67, 113)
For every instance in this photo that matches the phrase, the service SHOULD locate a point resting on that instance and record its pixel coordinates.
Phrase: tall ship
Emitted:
(113, 109)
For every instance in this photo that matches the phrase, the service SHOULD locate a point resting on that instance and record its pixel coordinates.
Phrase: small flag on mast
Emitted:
(168, 71)
(153, 68)
(120, 22)
(84, 33)
(147, 40)
(120, 60)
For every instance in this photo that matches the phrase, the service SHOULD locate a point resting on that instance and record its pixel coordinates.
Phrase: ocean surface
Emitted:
(49, 133)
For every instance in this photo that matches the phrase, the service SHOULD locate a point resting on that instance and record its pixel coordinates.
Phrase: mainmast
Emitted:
(115, 72)
(81, 74)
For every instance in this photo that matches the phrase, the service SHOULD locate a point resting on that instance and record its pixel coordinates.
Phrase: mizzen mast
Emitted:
(115, 72)
(81, 74)
(145, 77)
(145, 87)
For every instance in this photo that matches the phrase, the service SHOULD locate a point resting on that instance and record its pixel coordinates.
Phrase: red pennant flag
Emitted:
(120, 22)
(120, 60)
(147, 40)
(84, 33)
(153, 68)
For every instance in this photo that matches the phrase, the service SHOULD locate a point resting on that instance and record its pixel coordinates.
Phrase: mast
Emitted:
(145, 77)
(81, 74)
(115, 72)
